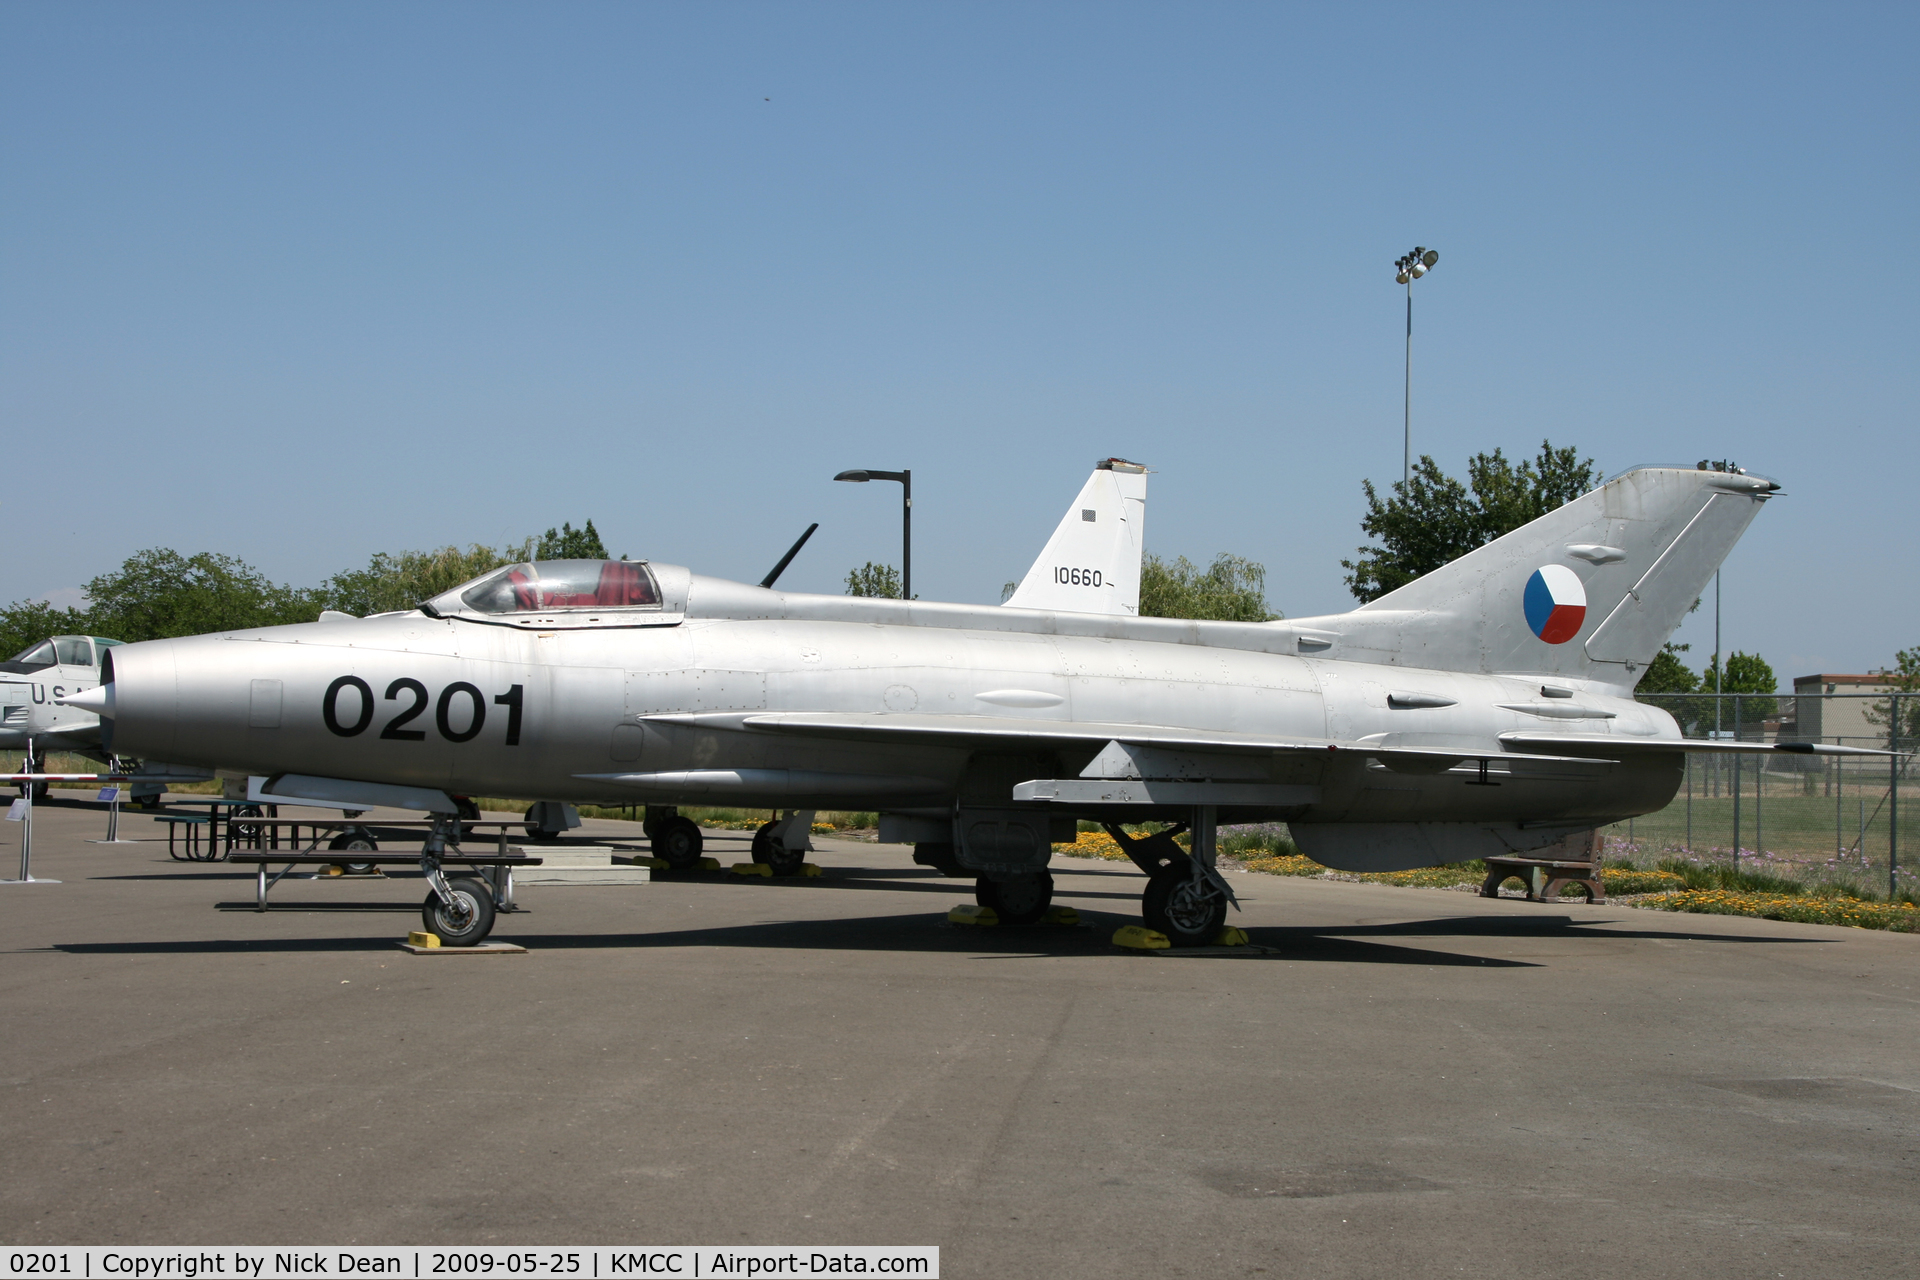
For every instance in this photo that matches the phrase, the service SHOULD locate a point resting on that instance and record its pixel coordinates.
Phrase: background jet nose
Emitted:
(98, 700)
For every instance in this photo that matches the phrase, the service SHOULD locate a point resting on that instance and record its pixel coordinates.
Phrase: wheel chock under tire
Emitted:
(751, 869)
(976, 916)
(1230, 937)
(1136, 937)
(809, 872)
(1061, 916)
(420, 938)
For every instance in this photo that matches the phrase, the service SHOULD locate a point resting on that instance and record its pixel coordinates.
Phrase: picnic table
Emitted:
(357, 845)
(193, 838)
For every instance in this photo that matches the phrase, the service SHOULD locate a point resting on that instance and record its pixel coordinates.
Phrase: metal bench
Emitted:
(501, 879)
(1543, 877)
(191, 848)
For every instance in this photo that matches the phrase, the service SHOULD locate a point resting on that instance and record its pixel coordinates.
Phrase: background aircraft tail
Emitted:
(1091, 564)
(1590, 591)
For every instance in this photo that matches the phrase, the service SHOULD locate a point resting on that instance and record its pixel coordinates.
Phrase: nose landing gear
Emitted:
(460, 908)
(465, 916)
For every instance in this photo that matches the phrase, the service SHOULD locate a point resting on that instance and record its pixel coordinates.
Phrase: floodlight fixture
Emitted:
(1409, 267)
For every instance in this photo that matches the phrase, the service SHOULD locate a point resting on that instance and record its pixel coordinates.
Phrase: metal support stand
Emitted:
(113, 817)
(26, 839)
(1894, 764)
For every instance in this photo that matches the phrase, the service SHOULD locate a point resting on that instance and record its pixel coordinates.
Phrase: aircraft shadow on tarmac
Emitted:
(1344, 944)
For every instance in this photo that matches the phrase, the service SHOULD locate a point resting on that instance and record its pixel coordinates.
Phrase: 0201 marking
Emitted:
(513, 700)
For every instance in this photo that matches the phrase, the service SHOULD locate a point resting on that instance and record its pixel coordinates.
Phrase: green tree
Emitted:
(1904, 677)
(879, 580)
(1231, 589)
(1746, 673)
(27, 622)
(391, 582)
(1433, 519)
(1668, 675)
(160, 593)
(569, 543)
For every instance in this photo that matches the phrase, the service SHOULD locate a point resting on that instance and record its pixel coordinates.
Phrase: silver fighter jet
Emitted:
(1481, 710)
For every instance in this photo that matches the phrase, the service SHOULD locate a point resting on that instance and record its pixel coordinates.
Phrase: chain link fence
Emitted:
(1806, 816)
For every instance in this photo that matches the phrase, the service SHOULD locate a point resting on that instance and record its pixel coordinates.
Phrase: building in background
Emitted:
(1813, 718)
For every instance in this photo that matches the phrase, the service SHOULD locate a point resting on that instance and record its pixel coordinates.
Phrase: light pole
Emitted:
(906, 518)
(1408, 269)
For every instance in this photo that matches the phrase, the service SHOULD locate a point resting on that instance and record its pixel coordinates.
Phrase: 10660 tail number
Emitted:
(459, 713)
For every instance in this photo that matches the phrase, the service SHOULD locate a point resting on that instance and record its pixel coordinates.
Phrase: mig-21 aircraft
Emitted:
(1483, 709)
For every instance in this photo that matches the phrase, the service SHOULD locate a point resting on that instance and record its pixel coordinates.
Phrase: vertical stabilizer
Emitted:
(1590, 591)
(1091, 564)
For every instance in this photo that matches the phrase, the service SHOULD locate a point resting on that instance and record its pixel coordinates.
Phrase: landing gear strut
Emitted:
(460, 909)
(1186, 898)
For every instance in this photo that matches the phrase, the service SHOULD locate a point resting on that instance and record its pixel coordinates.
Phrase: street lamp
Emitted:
(906, 518)
(1408, 269)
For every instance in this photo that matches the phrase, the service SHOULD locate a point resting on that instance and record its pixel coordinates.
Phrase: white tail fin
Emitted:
(1590, 591)
(1091, 564)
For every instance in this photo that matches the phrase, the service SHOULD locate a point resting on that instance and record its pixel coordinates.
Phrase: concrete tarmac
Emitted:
(1413, 1082)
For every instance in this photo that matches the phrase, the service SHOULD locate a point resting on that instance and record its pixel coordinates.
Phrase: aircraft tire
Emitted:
(678, 843)
(782, 862)
(461, 932)
(1021, 901)
(358, 838)
(1190, 916)
(242, 834)
(40, 790)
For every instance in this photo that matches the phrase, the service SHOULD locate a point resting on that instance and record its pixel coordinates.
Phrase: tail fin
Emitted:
(1590, 591)
(1091, 564)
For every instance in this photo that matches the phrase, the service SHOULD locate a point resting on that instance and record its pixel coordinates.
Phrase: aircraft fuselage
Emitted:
(481, 709)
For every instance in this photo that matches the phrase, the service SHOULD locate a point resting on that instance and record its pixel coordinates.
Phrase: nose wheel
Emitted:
(464, 921)
(460, 908)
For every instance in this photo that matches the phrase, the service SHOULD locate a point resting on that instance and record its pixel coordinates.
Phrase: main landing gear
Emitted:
(783, 844)
(1186, 898)
(1016, 899)
(675, 840)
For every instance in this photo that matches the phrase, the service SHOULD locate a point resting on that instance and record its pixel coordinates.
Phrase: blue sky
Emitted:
(300, 283)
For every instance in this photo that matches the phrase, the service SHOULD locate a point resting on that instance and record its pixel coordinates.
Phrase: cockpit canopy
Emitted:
(564, 584)
(563, 593)
(65, 651)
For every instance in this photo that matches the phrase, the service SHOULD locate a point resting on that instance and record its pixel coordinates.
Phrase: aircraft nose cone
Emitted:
(98, 700)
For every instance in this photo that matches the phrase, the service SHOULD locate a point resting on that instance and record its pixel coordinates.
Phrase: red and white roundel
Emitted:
(1556, 603)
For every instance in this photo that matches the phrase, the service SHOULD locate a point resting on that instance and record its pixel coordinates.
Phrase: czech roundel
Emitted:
(1556, 603)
